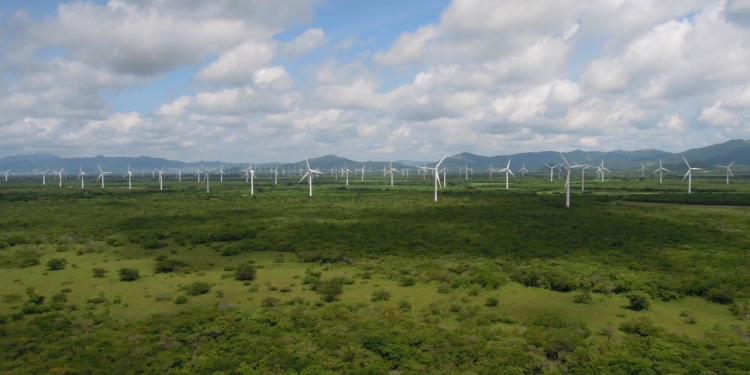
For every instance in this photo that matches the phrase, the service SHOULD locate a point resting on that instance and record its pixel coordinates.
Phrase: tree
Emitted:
(330, 289)
(99, 272)
(638, 301)
(129, 274)
(57, 264)
(245, 272)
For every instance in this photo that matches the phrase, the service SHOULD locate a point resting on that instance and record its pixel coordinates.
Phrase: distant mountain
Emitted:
(705, 157)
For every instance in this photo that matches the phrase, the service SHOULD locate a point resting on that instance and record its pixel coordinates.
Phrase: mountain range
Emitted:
(737, 150)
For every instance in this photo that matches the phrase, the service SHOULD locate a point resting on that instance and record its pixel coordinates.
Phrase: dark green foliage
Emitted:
(181, 299)
(583, 297)
(129, 274)
(404, 305)
(492, 301)
(96, 300)
(638, 301)
(12, 298)
(723, 295)
(62, 248)
(99, 272)
(330, 289)
(270, 302)
(166, 265)
(245, 272)
(60, 298)
(34, 299)
(380, 295)
(196, 288)
(57, 264)
(115, 241)
(407, 281)
(641, 326)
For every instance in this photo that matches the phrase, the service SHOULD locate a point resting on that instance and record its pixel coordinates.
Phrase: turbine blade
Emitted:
(441, 161)
(686, 174)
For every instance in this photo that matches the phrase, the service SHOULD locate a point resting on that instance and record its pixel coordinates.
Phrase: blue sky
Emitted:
(254, 80)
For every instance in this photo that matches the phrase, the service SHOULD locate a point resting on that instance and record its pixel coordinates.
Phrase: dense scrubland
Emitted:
(635, 278)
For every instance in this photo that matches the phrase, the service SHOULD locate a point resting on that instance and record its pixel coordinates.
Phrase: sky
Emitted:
(266, 80)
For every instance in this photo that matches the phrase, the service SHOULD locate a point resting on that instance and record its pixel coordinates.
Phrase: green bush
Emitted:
(12, 298)
(492, 301)
(583, 297)
(407, 281)
(641, 326)
(638, 301)
(245, 272)
(330, 289)
(181, 299)
(99, 272)
(57, 264)
(60, 298)
(380, 295)
(404, 305)
(196, 288)
(270, 302)
(129, 274)
(165, 265)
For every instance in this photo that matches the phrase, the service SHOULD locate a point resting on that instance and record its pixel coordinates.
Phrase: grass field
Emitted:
(687, 254)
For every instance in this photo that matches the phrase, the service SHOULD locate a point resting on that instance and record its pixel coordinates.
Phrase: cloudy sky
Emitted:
(264, 80)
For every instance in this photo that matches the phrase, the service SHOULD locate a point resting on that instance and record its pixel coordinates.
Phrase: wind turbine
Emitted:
(161, 178)
(346, 171)
(583, 175)
(642, 169)
(491, 170)
(6, 175)
(207, 178)
(179, 174)
(221, 173)
(363, 171)
(59, 174)
(44, 182)
(602, 168)
(467, 170)
(507, 171)
(309, 175)
(129, 175)
(729, 171)
(390, 171)
(689, 175)
(567, 181)
(80, 175)
(250, 175)
(523, 170)
(552, 170)
(436, 174)
(275, 172)
(663, 169)
(101, 175)
(198, 172)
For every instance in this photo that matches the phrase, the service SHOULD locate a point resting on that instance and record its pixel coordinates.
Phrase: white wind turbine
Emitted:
(567, 181)
(467, 170)
(523, 170)
(250, 175)
(129, 175)
(507, 171)
(362, 170)
(102, 174)
(275, 172)
(59, 174)
(729, 171)
(390, 171)
(642, 169)
(207, 178)
(6, 175)
(602, 168)
(436, 174)
(583, 175)
(346, 171)
(491, 170)
(161, 178)
(198, 172)
(179, 174)
(221, 173)
(552, 170)
(44, 182)
(660, 171)
(309, 175)
(80, 175)
(689, 175)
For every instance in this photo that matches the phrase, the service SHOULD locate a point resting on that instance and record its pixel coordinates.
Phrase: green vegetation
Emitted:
(634, 278)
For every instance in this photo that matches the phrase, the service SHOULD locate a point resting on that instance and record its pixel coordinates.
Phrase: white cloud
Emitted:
(717, 116)
(672, 123)
(176, 108)
(307, 42)
(239, 64)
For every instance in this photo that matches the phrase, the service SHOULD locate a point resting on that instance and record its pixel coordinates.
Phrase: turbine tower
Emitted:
(583, 176)
(728, 167)
(6, 175)
(568, 167)
(346, 171)
(390, 171)
(80, 175)
(490, 170)
(250, 175)
(179, 174)
(161, 178)
(129, 175)
(689, 175)
(309, 175)
(221, 173)
(523, 170)
(552, 170)
(44, 182)
(436, 174)
(102, 174)
(642, 169)
(467, 170)
(660, 171)
(602, 168)
(507, 171)
(275, 172)
(59, 174)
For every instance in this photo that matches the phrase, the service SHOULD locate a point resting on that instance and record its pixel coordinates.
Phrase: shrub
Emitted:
(115, 241)
(270, 302)
(330, 289)
(641, 326)
(162, 298)
(380, 295)
(583, 297)
(638, 301)
(12, 298)
(492, 301)
(445, 288)
(60, 298)
(723, 295)
(129, 274)
(181, 299)
(34, 298)
(245, 272)
(404, 305)
(407, 281)
(285, 289)
(96, 300)
(99, 272)
(197, 288)
(165, 265)
(66, 290)
(63, 248)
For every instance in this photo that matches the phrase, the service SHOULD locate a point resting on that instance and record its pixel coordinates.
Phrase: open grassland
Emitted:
(371, 278)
